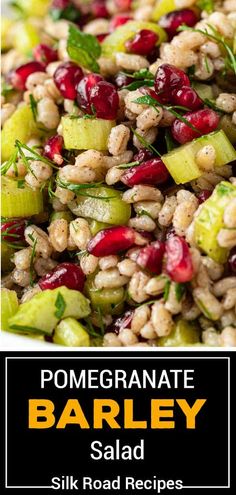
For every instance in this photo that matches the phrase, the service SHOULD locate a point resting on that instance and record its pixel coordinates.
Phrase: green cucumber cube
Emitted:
(108, 301)
(85, 134)
(19, 202)
(211, 219)
(181, 161)
(184, 333)
(21, 126)
(204, 91)
(162, 7)
(41, 314)
(71, 333)
(105, 205)
(9, 306)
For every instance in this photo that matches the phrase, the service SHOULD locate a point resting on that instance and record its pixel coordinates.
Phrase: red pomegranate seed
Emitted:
(151, 172)
(232, 260)
(118, 20)
(123, 321)
(150, 257)
(99, 9)
(204, 195)
(84, 89)
(123, 5)
(186, 97)
(170, 22)
(122, 80)
(18, 77)
(167, 78)
(142, 43)
(44, 54)
(204, 121)
(101, 37)
(67, 274)
(104, 100)
(178, 260)
(53, 149)
(13, 230)
(111, 241)
(66, 78)
(143, 155)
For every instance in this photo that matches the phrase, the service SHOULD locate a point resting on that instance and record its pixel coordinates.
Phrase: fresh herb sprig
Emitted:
(33, 107)
(32, 258)
(60, 306)
(145, 144)
(124, 166)
(230, 59)
(152, 102)
(80, 189)
(83, 48)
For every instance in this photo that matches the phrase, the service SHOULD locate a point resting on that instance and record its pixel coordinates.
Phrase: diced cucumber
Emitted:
(108, 301)
(42, 313)
(6, 254)
(9, 306)
(228, 127)
(109, 209)
(163, 7)
(85, 134)
(204, 91)
(96, 226)
(115, 42)
(19, 202)
(21, 126)
(35, 8)
(24, 37)
(58, 215)
(181, 162)
(210, 220)
(184, 333)
(6, 38)
(71, 333)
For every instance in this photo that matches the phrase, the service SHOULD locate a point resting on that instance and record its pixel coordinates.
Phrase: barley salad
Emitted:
(119, 172)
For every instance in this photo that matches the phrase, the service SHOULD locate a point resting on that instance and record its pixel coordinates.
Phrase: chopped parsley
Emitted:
(60, 306)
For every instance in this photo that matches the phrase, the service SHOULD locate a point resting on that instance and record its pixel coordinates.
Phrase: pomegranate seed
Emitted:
(204, 121)
(101, 37)
(232, 260)
(178, 260)
(150, 257)
(122, 80)
(122, 322)
(44, 54)
(18, 77)
(123, 5)
(67, 274)
(98, 9)
(167, 78)
(151, 172)
(13, 231)
(104, 100)
(66, 78)
(203, 195)
(118, 20)
(146, 235)
(143, 155)
(111, 241)
(142, 43)
(84, 89)
(53, 149)
(170, 22)
(186, 97)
